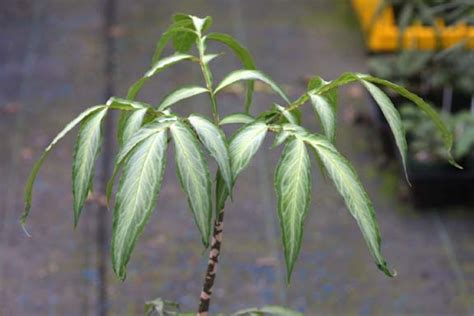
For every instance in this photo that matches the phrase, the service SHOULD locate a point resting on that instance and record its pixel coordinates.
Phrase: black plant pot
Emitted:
(440, 184)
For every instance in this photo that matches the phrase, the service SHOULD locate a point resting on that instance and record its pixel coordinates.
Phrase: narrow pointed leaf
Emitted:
(446, 134)
(327, 115)
(245, 57)
(179, 95)
(293, 189)
(86, 150)
(349, 186)
(34, 172)
(236, 118)
(251, 75)
(156, 68)
(179, 26)
(136, 197)
(133, 124)
(244, 144)
(242, 147)
(193, 174)
(156, 126)
(214, 140)
(393, 118)
(291, 117)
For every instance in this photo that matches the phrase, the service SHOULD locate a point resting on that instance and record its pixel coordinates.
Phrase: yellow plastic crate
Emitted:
(382, 33)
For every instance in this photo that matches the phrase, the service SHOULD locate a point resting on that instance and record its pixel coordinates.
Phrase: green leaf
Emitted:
(326, 113)
(86, 150)
(271, 310)
(156, 68)
(201, 24)
(177, 27)
(194, 176)
(251, 75)
(34, 172)
(180, 94)
(136, 197)
(215, 141)
(393, 118)
(236, 118)
(293, 189)
(244, 144)
(155, 126)
(349, 186)
(291, 117)
(242, 147)
(446, 134)
(134, 123)
(245, 57)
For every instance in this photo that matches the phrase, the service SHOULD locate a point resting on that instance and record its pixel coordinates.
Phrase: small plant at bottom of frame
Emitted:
(144, 132)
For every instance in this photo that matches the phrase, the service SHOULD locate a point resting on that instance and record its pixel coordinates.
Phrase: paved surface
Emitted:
(51, 67)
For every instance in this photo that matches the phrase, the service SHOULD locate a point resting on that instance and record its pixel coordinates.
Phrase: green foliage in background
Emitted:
(145, 132)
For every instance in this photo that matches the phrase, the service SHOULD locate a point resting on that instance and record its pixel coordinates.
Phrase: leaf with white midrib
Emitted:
(155, 126)
(393, 118)
(179, 95)
(349, 186)
(193, 174)
(251, 75)
(34, 172)
(86, 150)
(242, 147)
(138, 190)
(326, 113)
(214, 140)
(293, 188)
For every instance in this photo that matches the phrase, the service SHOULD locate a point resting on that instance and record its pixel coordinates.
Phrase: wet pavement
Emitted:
(52, 66)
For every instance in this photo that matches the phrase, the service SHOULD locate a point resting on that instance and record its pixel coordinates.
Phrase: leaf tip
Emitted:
(384, 268)
(25, 230)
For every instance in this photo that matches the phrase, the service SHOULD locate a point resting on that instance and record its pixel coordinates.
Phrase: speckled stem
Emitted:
(206, 292)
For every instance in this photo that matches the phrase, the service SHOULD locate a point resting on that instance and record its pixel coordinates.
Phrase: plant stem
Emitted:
(206, 293)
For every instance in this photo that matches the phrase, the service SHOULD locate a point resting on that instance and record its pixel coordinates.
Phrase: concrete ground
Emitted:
(52, 61)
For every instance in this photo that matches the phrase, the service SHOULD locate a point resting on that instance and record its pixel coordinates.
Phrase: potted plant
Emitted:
(433, 182)
(145, 132)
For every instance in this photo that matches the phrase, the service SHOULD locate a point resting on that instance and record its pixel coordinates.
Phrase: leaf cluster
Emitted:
(146, 131)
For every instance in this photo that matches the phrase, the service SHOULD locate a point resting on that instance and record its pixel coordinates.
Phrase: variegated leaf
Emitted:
(155, 126)
(34, 172)
(326, 113)
(86, 150)
(193, 174)
(251, 75)
(393, 118)
(214, 140)
(349, 186)
(293, 189)
(180, 94)
(236, 118)
(136, 197)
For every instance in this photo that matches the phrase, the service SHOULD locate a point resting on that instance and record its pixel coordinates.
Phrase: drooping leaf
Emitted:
(193, 174)
(155, 126)
(136, 197)
(86, 150)
(251, 75)
(349, 186)
(180, 94)
(291, 117)
(245, 57)
(236, 118)
(242, 147)
(214, 140)
(393, 118)
(133, 124)
(244, 144)
(446, 134)
(34, 172)
(327, 115)
(293, 189)
(156, 68)
(270, 310)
